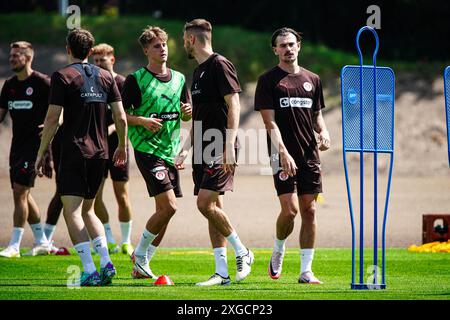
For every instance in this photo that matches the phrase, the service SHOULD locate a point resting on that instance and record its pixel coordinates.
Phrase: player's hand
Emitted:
(288, 164)
(111, 129)
(151, 124)
(38, 165)
(179, 159)
(229, 159)
(120, 157)
(324, 140)
(40, 127)
(47, 167)
(186, 109)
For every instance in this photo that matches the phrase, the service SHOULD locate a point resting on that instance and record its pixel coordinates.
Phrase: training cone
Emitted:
(163, 281)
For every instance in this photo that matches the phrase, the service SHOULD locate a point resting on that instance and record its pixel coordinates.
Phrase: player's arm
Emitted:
(287, 162)
(120, 121)
(234, 109)
(131, 97)
(151, 124)
(51, 124)
(181, 156)
(321, 129)
(185, 104)
(3, 113)
(3, 102)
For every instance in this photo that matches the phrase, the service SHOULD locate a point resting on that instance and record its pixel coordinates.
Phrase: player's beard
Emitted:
(18, 69)
(189, 52)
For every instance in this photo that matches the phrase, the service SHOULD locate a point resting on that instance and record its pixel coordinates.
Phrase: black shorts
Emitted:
(56, 156)
(117, 173)
(80, 177)
(159, 176)
(212, 177)
(308, 179)
(21, 171)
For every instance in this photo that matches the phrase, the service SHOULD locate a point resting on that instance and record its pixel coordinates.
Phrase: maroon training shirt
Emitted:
(294, 98)
(27, 102)
(85, 125)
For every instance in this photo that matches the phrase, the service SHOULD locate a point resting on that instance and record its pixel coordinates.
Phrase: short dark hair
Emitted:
(80, 42)
(25, 48)
(284, 32)
(201, 28)
(150, 33)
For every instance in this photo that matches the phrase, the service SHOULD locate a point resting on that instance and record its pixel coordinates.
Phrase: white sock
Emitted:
(49, 230)
(16, 237)
(220, 257)
(108, 233)
(146, 239)
(39, 236)
(102, 248)
(280, 245)
(84, 252)
(151, 252)
(306, 259)
(125, 229)
(238, 247)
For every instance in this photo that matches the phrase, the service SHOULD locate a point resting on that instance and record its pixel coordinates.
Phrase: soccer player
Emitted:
(215, 96)
(290, 100)
(156, 100)
(103, 56)
(55, 206)
(84, 92)
(25, 95)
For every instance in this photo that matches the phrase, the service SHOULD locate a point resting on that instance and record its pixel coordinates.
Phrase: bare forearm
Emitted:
(188, 142)
(134, 120)
(319, 122)
(121, 130)
(50, 127)
(275, 136)
(234, 109)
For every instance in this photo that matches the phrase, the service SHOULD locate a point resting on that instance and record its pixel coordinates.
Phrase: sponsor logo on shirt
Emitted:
(20, 105)
(29, 91)
(91, 94)
(196, 91)
(296, 102)
(169, 116)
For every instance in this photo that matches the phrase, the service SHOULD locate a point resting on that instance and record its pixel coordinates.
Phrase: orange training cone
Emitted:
(164, 281)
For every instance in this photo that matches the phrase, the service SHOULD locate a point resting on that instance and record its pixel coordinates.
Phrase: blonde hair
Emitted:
(150, 33)
(25, 48)
(103, 49)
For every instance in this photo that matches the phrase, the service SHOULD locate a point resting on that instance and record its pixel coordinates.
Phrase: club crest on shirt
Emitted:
(307, 86)
(283, 176)
(29, 91)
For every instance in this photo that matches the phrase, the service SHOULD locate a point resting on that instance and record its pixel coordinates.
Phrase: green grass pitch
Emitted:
(410, 276)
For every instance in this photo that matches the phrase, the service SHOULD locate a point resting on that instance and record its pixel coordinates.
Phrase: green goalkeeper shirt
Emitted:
(158, 98)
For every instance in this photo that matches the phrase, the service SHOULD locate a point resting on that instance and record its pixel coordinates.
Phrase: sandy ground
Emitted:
(253, 208)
